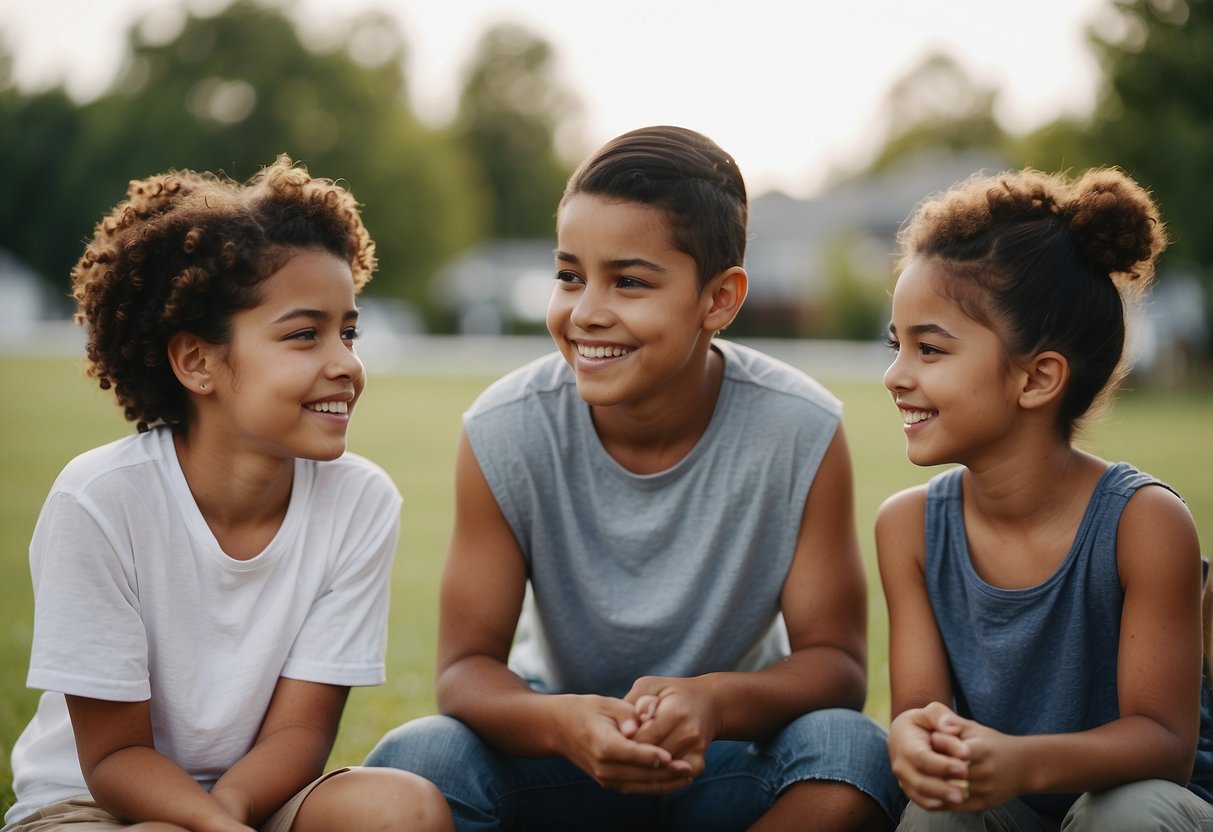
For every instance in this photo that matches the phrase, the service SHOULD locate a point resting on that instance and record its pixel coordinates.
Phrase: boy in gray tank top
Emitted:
(653, 609)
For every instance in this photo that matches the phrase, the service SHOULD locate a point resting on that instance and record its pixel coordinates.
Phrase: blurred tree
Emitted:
(39, 219)
(510, 112)
(937, 104)
(1153, 118)
(856, 298)
(1155, 114)
(230, 92)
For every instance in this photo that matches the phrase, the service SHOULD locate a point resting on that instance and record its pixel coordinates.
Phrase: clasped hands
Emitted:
(944, 761)
(652, 741)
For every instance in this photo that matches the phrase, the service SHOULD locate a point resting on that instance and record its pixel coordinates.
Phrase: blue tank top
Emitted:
(1040, 660)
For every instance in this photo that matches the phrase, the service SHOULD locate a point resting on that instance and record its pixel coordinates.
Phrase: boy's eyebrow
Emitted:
(621, 263)
(924, 329)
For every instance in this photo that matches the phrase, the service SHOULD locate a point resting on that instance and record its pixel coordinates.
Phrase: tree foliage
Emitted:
(510, 111)
(230, 92)
(937, 104)
(1153, 118)
(1155, 114)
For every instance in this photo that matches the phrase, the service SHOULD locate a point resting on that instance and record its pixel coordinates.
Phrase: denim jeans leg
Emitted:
(840, 745)
(488, 790)
(742, 780)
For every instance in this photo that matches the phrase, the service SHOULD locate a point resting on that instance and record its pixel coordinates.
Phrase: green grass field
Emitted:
(409, 424)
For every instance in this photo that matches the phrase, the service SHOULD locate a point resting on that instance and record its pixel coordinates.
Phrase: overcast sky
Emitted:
(789, 87)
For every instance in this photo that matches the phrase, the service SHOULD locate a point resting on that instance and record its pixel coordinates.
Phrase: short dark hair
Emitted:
(685, 175)
(1048, 260)
(185, 251)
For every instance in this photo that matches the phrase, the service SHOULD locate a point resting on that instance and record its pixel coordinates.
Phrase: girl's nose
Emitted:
(895, 377)
(345, 363)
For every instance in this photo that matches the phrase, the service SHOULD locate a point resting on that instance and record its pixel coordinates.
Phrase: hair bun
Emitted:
(1115, 223)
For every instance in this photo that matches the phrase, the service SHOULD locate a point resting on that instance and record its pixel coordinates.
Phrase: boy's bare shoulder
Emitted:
(547, 373)
(764, 374)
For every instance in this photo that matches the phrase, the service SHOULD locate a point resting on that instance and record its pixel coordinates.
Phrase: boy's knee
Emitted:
(838, 736)
(419, 744)
(837, 744)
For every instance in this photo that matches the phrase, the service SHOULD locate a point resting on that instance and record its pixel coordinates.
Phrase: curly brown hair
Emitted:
(185, 251)
(1049, 262)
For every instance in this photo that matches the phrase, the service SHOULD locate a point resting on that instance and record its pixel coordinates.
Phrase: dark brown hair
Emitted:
(185, 251)
(1049, 262)
(685, 175)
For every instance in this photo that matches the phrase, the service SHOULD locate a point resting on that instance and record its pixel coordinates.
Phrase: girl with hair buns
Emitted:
(1044, 604)
(207, 590)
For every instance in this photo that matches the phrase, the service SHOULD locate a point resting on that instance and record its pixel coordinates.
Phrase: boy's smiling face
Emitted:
(627, 312)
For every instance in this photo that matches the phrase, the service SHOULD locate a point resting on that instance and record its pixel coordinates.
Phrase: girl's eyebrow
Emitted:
(925, 329)
(622, 263)
(315, 315)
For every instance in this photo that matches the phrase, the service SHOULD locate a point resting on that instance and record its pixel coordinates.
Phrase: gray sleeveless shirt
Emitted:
(676, 573)
(1040, 660)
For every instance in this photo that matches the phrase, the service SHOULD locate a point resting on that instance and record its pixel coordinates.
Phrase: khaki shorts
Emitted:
(81, 814)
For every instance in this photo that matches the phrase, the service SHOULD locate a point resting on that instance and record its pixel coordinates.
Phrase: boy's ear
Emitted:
(1046, 375)
(727, 292)
(190, 357)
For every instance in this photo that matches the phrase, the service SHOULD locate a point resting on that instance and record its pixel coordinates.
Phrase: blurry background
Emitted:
(456, 124)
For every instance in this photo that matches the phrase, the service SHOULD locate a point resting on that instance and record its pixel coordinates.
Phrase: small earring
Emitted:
(201, 386)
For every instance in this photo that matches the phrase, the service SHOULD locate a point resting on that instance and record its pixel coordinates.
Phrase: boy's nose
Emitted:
(591, 309)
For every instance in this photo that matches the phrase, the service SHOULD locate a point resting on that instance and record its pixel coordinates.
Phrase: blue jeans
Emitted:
(741, 781)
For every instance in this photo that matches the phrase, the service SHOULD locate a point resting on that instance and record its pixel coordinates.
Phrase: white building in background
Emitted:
(30, 322)
(497, 283)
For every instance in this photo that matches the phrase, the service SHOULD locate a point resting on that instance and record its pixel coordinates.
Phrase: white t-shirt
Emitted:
(134, 600)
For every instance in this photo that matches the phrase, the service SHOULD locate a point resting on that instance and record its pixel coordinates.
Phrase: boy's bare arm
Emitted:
(483, 585)
(130, 779)
(290, 751)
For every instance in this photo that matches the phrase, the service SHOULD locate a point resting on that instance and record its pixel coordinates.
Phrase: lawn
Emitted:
(409, 424)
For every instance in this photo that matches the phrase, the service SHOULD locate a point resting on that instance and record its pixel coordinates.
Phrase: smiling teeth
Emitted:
(330, 407)
(913, 417)
(601, 352)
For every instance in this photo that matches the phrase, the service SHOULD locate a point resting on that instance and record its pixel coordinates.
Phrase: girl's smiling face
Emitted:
(951, 379)
(289, 378)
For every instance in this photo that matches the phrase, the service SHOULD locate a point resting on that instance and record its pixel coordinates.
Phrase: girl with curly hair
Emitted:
(207, 590)
(1044, 604)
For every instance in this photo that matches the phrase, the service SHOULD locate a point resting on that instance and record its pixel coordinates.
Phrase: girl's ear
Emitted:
(726, 292)
(1045, 378)
(189, 357)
